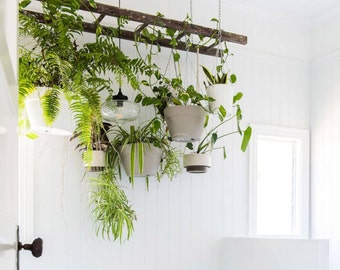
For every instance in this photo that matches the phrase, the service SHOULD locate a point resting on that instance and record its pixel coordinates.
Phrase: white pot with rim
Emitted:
(151, 156)
(223, 94)
(63, 125)
(197, 162)
(185, 122)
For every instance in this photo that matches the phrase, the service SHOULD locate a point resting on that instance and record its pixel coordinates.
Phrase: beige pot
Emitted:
(97, 162)
(223, 95)
(152, 159)
(185, 122)
(197, 163)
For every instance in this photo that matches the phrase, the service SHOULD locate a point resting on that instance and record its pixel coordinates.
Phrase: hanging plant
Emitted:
(51, 56)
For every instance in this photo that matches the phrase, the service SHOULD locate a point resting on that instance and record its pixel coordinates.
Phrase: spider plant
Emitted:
(140, 138)
(111, 210)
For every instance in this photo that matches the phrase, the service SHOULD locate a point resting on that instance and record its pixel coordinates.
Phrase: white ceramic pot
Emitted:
(152, 159)
(197, 163)
(63, 125)
(223, 95)
(185, 122)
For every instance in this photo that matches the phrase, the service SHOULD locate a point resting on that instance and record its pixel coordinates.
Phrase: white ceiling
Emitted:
(304, 9)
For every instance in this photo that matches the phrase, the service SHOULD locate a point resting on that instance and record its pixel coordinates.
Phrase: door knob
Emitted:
(36, 247)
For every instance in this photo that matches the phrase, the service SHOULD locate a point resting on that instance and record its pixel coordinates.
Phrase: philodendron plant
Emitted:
(207, 144)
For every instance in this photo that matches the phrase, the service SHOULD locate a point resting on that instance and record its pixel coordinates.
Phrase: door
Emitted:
(8, 137)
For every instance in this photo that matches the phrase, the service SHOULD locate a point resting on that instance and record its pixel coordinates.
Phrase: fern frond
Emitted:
(50, 103)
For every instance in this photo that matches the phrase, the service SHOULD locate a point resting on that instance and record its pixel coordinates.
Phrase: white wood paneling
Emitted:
(325, 100)
(180, 225)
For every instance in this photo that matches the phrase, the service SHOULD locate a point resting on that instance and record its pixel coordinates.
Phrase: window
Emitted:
(279, 182)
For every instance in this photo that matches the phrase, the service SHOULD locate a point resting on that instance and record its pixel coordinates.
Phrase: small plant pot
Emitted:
(223, 94)
(152, 159)
(185, 122)
(197, 163)
(62, 126)
(98, 161)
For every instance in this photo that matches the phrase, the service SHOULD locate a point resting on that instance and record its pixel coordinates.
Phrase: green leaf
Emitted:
(206, 121)
(237, 97)
(141, 157)
(224, 153)
(138, 98)
(50, 103)
(233, 78)
(24, 3)
(176, 101)
(215, 20)
(209, 75)
(92, 3)
(31, 135)
(156, 125)
(132, 163)
(190, 146)
(222, 111)
(145, 82)
(176, 57)
(246, 138)
(213, 138)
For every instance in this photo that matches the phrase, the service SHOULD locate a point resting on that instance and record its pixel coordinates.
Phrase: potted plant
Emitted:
(182, 108)
(219, 84)
(95, 159)
(50, 56)
(143, 151)
(200, 159)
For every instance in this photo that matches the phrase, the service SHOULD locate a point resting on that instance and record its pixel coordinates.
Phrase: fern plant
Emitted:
(51, 56)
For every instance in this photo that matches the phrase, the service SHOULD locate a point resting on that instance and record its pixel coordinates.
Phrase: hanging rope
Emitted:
(219, 29)
(188, 42)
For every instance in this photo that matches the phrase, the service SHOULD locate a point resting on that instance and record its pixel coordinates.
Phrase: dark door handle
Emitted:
(36, 247)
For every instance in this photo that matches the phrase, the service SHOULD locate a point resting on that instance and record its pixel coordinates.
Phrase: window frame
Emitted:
(302, 186)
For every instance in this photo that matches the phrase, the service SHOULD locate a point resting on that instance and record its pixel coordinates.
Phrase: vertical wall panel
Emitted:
(180, 224)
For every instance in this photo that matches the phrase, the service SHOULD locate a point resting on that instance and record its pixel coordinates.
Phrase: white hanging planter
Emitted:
(97, 162)
(185, 122)
(223, 95)
(152, 159)
(62, 126)
(197, 163)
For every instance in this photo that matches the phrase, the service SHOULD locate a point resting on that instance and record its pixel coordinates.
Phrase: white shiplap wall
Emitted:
(180, 224)
(325, 143)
